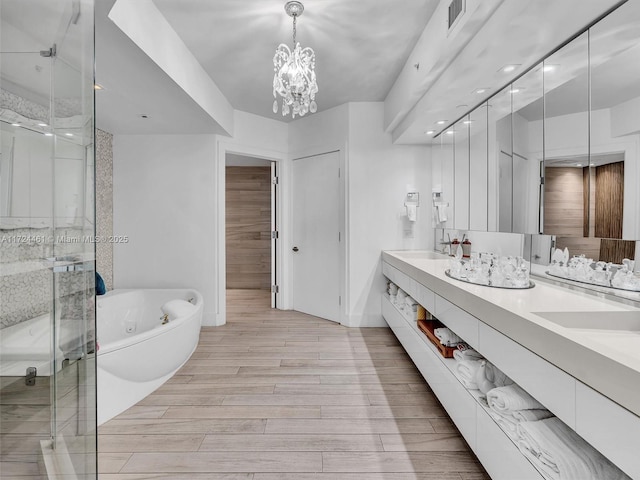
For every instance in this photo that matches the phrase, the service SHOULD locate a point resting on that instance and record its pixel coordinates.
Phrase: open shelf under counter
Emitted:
(592, 389)
(497, 452)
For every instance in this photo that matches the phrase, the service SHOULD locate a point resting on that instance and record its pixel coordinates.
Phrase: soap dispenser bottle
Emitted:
(466, 248)
(455, 243)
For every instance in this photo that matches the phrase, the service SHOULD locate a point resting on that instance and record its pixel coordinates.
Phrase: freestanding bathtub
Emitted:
(137, 353)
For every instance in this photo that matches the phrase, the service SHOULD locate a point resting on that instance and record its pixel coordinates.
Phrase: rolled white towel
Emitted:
(511, 398)
(467, 372)
(177, 308)
(410, 301)
(447, 337)
(532, 415)
(467, 353)
(495, 376)
(561, 454)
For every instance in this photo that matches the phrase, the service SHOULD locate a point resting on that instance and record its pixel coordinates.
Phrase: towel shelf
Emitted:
(589, 413)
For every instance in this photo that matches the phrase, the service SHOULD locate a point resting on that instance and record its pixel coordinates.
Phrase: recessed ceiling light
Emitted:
(449, 132)
(441, 122)
(48, 134)
(42, 124)
(15, 124)
(97, 86)
(548, 68)
(468, 122)
(429, 132)
(514, 90)
(480, 90)
(509, 68)
(578, 164)
(69, 134)
(592, 164)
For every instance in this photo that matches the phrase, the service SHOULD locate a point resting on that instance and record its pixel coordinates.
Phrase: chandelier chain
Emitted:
(295, 17)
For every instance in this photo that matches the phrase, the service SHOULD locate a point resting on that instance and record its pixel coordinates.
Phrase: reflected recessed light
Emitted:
(514, 90)
(69, 134)
(97, 86)
(42, 124)
(480, 90)
(48, 134)
(592, 164)
(509, 68)
(578, 164)
(15, 124)
(429, 132)
(441, 122)
(449, 132)
(468, 122)
(548, 68)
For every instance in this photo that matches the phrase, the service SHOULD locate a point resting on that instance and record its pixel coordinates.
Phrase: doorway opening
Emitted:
(251, 231)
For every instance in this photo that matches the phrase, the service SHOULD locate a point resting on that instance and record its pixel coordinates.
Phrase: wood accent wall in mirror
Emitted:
(562, 145)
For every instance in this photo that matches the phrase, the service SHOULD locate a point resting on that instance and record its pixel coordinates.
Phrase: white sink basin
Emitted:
(618, 321)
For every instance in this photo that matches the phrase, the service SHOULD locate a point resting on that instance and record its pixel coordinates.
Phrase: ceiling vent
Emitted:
(456, 11)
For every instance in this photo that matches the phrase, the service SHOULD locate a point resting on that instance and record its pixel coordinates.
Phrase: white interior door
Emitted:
(316, 235)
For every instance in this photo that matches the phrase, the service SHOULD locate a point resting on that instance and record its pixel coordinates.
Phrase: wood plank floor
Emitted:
(280, 395)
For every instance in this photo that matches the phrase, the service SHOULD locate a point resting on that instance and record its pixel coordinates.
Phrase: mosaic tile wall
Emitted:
(26, 283)
(104, 205)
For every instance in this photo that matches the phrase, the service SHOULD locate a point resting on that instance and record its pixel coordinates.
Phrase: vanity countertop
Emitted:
(592, 338)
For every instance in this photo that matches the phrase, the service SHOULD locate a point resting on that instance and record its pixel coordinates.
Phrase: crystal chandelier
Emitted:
(295, 76)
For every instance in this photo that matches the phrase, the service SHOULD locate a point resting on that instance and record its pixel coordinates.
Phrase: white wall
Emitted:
(169, 200)
(318, 133)
(164, 201)
(378, 175)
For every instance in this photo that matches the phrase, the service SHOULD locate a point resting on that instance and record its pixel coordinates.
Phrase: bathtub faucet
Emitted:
(165, 318)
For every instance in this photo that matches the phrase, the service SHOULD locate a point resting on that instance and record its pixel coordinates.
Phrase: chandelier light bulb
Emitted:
(295, 77)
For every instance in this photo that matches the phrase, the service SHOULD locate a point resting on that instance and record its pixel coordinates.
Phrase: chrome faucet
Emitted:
(165, 319)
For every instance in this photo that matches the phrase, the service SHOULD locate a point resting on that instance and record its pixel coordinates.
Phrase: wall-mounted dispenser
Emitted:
(412, 202)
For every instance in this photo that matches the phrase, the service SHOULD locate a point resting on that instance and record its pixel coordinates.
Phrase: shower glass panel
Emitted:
(47, 249)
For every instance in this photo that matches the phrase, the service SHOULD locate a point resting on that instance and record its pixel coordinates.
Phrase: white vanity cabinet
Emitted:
(611, 429)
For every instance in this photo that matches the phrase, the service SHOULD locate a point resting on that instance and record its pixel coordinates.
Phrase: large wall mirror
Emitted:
(557, 152)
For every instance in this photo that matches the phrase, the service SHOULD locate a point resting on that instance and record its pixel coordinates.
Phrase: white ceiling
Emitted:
(360, 46)
(134, 85)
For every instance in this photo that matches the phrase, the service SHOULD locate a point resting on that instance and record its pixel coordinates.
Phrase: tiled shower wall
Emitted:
(25, 286)
(104, 205)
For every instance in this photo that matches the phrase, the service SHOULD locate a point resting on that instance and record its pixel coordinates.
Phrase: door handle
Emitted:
(295, 249)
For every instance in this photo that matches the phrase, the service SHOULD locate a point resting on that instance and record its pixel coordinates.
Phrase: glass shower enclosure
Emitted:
(47, 240)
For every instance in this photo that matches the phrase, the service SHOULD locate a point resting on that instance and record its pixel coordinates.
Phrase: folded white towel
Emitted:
(466, 354)
(561, 454)
(447, 337)
(177, 308)
(511, 398)
(466, 370)
(506, 423)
